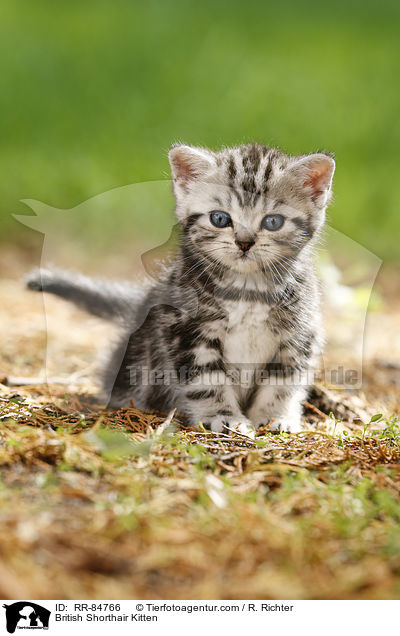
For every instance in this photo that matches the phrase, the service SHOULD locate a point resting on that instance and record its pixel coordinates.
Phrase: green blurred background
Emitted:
(93, 93)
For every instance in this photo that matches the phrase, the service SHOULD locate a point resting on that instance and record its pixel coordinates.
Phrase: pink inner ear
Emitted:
(318, 176)
(184, 168)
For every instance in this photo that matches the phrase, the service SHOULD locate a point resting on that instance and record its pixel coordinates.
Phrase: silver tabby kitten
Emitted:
(230, 331)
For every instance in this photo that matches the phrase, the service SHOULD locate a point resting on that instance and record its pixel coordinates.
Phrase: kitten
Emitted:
(230, 331)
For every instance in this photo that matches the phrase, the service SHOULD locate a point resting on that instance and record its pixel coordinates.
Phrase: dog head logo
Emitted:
(26, 615)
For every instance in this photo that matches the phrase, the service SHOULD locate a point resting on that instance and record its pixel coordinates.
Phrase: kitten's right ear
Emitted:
(189, 163)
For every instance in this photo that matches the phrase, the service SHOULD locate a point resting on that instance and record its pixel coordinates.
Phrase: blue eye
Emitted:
(220, 219)
(272, 222)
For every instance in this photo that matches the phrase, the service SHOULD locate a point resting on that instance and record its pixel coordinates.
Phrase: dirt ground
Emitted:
(102, 504)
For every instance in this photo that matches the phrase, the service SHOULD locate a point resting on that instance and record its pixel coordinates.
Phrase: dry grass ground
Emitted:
(103, 504)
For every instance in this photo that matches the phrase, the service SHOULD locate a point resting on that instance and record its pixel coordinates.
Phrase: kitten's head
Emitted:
(250, 206)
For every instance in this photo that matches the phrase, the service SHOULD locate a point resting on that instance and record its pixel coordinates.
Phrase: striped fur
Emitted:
(230, 331)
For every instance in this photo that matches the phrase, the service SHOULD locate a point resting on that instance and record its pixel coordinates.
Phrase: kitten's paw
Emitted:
(240, 425)
(286, 424)
(244, 427)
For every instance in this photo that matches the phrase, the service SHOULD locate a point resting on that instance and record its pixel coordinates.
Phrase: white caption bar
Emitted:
(154, 617)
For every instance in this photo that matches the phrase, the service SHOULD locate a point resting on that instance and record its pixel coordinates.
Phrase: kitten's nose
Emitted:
(245, 245)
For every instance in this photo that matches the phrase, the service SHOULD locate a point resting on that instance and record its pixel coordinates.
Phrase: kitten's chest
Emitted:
(248, 338)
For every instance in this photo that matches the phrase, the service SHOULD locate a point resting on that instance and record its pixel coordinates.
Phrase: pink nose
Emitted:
(245, 246)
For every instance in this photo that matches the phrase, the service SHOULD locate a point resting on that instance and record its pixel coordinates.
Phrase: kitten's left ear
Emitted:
(315, 173)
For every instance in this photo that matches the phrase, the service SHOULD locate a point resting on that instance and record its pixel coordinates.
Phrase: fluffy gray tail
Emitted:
(106, 299)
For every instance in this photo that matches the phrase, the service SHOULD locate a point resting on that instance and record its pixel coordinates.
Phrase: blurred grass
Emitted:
(90, 512)
(94, 93)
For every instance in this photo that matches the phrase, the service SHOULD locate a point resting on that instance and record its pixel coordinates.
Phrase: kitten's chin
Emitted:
(245, 265)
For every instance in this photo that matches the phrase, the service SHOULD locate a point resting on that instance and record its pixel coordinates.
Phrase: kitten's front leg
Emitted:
(278, 396)
(278, 406)
(210, 399)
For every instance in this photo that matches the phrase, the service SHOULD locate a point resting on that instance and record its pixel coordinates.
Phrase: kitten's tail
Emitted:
(106, 299)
